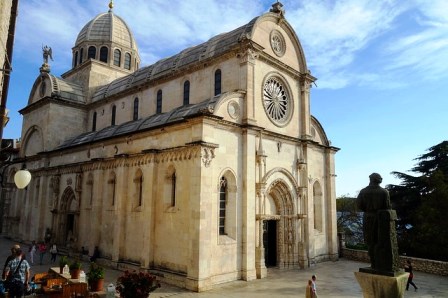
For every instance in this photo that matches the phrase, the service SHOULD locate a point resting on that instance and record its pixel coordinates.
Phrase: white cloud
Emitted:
(346, 42)
(334, 33)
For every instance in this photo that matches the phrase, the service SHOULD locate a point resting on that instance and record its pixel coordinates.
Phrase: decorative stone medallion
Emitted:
(233, 109)
(276, 101)
(278, 44)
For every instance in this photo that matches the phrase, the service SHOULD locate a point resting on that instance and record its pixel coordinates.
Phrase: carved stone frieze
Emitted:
(267, 217)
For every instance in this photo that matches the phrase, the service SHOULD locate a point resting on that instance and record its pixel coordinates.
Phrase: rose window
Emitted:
(276, 101)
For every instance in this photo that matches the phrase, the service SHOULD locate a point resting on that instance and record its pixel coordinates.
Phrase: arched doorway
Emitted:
(270, 242)
(67, 230)
(280, 227)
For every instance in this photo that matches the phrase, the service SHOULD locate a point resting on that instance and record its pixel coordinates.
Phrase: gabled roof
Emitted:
(214, 47)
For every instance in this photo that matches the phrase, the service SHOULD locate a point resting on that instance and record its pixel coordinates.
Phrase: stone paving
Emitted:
(334, 279)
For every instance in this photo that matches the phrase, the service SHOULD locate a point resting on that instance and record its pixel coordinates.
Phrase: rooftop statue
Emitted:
(379, 226)
(47, 52)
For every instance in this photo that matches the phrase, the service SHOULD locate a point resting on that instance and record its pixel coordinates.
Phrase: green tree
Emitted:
(349, 220)
(421, 202)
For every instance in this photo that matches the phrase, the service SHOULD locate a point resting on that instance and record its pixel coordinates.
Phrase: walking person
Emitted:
(309, 290)
(408, 268)
(53, 252)
(9, 258)
(314, 286)
(32, 252)
(18, 275)
(42, 250)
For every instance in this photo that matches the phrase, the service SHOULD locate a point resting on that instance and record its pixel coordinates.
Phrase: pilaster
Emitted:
(248, 205)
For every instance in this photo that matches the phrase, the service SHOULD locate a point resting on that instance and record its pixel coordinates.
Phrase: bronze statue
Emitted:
(47, 52)
(379, 225)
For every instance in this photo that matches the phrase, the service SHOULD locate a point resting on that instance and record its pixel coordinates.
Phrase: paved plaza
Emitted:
(334, 279)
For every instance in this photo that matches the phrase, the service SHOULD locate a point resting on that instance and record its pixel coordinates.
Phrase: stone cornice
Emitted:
(48, 100)
(203, 150)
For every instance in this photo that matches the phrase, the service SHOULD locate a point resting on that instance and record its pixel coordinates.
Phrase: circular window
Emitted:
(276, 101)
(277, 43)
(233, 109)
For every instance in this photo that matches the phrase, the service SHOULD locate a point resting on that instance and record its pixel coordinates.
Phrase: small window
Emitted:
(90, 189)
(186, 93)
(94, 122)
(104, 52)
(91, 54)
(138, 180)
(117, 57)
(159, 102)
(81, 54)
(222, 206)
(114, 111)
(218, 82)
(135, 115)
(127, 61)
(75, 61)
(173, 189)
(111, 188)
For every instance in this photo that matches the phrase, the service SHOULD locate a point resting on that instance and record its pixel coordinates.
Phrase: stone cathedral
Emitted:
(204, 167)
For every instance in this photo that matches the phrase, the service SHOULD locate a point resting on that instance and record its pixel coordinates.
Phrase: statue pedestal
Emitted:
(374, 285)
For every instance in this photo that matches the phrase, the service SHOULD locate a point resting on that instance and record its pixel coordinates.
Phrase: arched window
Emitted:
(94, 122)
(127, 61)
(173, 189)
(159, 102)
(75, 62)
(222, 205)
(90, 189)
(317, 204)
(186, 93)
(91, 53)
(217, 82)
(135, 115)
(138, 180)
(81, 54)
(111, 188)
(114, 112)
(117, 57)
(104, 53)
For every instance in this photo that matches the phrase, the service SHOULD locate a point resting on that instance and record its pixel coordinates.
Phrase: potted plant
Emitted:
(75, 269)
(95, 277)
(136, 284)
(62, 262)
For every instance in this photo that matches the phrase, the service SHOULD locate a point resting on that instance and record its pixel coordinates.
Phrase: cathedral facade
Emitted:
(204, 167)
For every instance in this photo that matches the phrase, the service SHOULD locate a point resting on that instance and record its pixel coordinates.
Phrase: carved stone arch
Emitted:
(230, 176)
(282, 192)
(33, 141)
(228, 206)
(68, 218)
(289, 177)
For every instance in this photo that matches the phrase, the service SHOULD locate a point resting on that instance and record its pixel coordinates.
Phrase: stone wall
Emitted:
(423, 265)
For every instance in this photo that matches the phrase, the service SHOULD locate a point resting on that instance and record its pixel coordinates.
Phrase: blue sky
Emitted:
(382, 65)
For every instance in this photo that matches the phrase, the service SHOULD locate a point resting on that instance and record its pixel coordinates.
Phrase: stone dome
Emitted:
(107, 27)
(107, 40)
